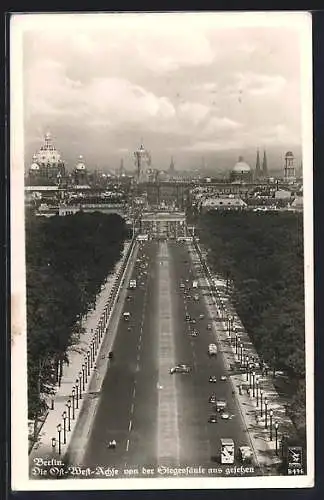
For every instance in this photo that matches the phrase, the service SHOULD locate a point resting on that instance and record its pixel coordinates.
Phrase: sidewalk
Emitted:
(66, 404)
(238, 350)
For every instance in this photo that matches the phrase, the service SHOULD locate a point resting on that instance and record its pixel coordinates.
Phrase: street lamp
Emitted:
(253, 384)
(247, 367)
(53, 444)
(261, 401)
(241, 346)
(73, 400)
(80, 384)
(276, 425)
(64, 427)
(86, 369)
(266, 412)
(83, 377)
(257, 391)
(250, 376)
(88, 356)
(68, 404)
(59, 430)
(77, 393)
(271, 415)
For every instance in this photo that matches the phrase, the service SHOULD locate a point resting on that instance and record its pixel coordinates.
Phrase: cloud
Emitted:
(187, 85)
(260, 84)
(217, 124)
(193, 112)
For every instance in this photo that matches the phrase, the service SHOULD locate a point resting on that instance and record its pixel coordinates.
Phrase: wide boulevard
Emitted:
(158, 418)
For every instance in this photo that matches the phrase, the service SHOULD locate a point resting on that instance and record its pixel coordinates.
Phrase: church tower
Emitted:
(171, 168)
(257, 167)
(265, 173)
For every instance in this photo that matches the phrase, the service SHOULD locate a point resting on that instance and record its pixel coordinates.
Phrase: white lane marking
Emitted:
(138, 347)
(132, 408)
(130, 426)
(168, 445)
(134, 392)
(127, 445)
(138, 357)
(140, 338)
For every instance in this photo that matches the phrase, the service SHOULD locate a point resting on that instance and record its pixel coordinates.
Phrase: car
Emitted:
(212, 379)
(180, 369)
(188, 317)
(194, 333)
(225, 416)
(213, 419)
(212, 399)
(223, 378)
(182, 285)
(245, 454)
(201, 316)
(209, 327)
(221, 405)
(193, 321)
(196, 297)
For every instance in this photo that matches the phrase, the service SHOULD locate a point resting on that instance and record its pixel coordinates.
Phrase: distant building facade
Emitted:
(289, 167)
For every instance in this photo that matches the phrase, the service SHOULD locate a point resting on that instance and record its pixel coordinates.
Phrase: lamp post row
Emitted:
(79, 387)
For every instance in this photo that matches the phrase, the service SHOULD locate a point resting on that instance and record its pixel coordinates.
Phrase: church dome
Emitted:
(34, 166)
(47, 153)
(241, 166)
(80, 165)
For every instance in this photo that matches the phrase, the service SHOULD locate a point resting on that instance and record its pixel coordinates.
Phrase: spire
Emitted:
(171, 169)
(264, 165)
(257, 166)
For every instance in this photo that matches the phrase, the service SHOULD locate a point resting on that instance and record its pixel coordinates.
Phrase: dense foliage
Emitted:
(67, 259)
(263, 256)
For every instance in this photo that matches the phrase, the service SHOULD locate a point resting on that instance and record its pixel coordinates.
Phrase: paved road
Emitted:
(155, 417)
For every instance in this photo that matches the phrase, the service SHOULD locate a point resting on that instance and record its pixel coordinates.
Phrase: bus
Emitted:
(227, 451)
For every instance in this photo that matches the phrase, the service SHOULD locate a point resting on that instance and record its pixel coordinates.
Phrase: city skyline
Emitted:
(214, 90)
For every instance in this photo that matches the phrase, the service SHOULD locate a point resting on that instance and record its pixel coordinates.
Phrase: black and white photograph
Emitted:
(161, 250)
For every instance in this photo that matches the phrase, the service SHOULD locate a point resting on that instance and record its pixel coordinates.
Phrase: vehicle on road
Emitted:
(195, 284)
(126, 316)
(212, 349)
(226, 416)
(132, 284)
(227, 451)
(201, 316)
(223, 378)
(212, 379)
(110, 355)
(196, 297)
(245, 454)
(193, 321)
(213, 419)
(188, 318)
(182, 285)
(194, 333)
(112, 444)
(180, 368)
(221, 405)
(213, 399)
(209, 327)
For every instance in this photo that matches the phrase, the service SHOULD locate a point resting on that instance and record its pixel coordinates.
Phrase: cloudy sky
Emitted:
(191, 86)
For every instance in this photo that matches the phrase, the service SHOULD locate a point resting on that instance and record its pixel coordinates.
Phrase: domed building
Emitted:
(47, 165)
(241, 172)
